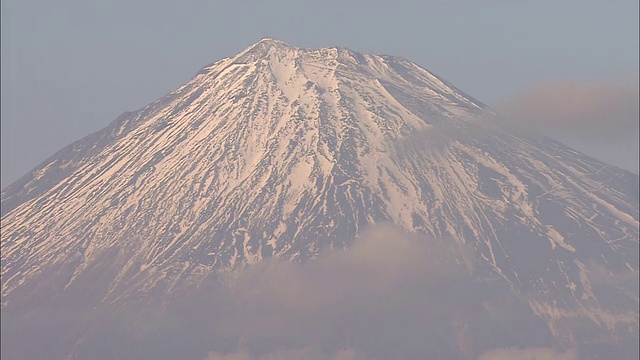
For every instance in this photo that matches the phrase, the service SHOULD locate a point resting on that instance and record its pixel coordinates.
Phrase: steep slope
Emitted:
(281, 151)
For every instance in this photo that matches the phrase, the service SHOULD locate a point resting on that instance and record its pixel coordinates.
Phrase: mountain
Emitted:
(287, 152)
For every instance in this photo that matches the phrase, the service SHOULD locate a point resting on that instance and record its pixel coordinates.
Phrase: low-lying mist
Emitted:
(390, 296)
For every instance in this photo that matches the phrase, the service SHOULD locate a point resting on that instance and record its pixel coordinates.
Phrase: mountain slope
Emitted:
(281, 151)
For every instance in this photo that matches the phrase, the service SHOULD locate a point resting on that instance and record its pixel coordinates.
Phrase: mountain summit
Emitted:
(281, 151)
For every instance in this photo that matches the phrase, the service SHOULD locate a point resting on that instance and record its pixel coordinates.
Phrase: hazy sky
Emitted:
(71, 67)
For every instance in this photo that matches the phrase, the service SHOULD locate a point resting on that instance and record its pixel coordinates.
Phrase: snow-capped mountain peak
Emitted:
(282, 151)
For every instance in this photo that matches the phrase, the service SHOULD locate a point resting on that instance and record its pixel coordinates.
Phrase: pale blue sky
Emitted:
(71, 67)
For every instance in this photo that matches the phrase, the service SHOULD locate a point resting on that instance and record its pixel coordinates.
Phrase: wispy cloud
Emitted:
(601, 120)
(564, 107)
